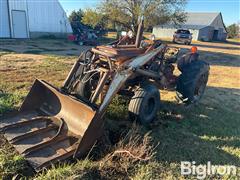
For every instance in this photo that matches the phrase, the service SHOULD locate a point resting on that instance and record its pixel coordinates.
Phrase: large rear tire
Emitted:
(144, 104)
(192, 82)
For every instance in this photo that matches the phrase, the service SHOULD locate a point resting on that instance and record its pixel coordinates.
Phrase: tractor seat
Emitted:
(118, 54)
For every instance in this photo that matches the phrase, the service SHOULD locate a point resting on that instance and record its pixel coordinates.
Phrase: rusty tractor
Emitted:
(54, 124)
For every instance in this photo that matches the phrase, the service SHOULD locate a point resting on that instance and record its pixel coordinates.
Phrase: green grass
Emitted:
(80, 169)
(9, 102)
(10, 162)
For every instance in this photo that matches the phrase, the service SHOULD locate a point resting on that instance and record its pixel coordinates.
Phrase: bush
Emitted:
(233, 31)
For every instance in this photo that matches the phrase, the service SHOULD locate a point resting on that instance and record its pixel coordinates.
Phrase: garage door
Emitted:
(4, 20)
(19, 21)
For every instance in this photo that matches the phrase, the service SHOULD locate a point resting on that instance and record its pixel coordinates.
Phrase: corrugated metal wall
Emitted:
(19, 5)
(222, 35)
(47, 16)
(218, 24)
(160, 32)
(4, 20)
(206, 33)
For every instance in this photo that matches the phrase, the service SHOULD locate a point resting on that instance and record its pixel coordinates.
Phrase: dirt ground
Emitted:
(208, 132)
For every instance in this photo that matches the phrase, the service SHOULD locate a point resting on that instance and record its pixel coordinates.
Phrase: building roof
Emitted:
(196, 20)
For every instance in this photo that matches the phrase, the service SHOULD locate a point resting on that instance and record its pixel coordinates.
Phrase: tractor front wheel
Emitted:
(144, 104)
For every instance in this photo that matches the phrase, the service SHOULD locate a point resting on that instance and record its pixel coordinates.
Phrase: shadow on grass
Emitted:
(48, 46)
(208, 132)
(233, 42)
(220, 59)
(65, 48)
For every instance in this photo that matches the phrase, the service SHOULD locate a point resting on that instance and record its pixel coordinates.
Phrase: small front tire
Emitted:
(144, 104)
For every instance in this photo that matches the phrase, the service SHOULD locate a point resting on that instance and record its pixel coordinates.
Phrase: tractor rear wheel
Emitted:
(144, 104)
(192, 82)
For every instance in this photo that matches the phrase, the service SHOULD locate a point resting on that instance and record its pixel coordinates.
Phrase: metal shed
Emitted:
(32, 18)
(203, 26)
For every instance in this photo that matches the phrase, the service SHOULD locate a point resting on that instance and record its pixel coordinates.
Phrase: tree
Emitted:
(76, 16)
(93, 18)
(128, 12)
(233, 31)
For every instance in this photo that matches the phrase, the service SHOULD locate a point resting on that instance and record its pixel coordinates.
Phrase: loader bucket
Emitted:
(50, 126)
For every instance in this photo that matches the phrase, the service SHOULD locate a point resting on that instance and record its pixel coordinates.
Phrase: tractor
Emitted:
(55, 124)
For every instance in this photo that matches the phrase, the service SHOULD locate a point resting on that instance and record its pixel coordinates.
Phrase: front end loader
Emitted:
(54, 124)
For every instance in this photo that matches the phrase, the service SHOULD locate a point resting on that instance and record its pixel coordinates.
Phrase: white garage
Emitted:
(203, 26)
(4, 19)
(32, 18)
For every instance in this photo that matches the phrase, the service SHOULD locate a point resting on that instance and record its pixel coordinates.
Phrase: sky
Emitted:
(230, 9)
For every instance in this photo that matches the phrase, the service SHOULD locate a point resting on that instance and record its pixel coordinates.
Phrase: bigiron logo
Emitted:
(203, 170)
